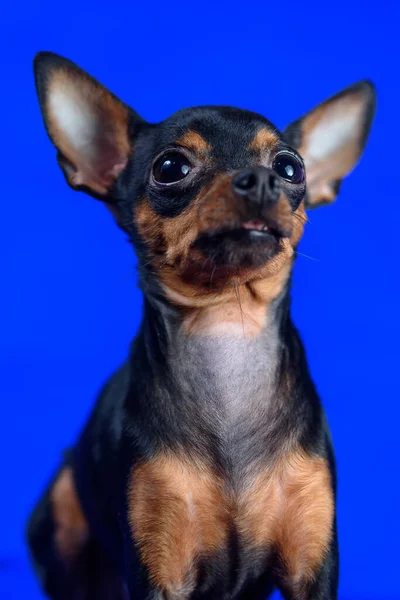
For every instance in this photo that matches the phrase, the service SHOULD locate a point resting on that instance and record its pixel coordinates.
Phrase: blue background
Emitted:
(69, 305)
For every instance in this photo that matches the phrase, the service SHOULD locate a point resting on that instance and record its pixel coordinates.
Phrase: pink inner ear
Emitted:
(99, 179)
(322, 193)
(331, 145)
(90, 128)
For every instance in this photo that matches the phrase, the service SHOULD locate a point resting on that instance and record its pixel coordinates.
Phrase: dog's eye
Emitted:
(171, 168)
(289, 167)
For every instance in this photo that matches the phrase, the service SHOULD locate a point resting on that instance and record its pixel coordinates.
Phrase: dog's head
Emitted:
(212, 196)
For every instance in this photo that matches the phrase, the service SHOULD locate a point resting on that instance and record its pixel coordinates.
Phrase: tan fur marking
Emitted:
(308, 518)
(292, 507)
(247, 318)
(180, 511)
(177, 512)
(72, 531)
(299, 220)
(171, 238)
(263, 139)
(194, 141)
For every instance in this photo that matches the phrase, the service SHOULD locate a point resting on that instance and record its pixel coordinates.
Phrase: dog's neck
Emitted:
(227, 382)
(229, 358)
(237, 327)
(218, 391)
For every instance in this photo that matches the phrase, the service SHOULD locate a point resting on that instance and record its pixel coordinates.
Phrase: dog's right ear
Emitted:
(92, 130)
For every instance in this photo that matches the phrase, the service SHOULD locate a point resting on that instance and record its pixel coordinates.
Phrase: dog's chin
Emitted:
(239, 248)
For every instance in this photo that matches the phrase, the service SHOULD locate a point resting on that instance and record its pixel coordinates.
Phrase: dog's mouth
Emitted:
(250, 243)
(250, 230)
(255, 225)
(257, 228)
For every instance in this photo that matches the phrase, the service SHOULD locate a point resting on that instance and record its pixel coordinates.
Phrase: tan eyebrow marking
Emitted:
(194, 141)
(263, 139)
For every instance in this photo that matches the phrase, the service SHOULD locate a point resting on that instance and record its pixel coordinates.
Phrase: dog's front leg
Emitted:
(323, 585)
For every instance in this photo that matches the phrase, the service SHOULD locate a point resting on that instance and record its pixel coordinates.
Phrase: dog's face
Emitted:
(211, 196)
(220, 200)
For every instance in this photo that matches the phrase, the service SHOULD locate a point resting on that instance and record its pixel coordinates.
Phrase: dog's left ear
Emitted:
(331, 139)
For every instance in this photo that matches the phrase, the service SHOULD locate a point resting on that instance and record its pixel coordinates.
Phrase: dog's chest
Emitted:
(194, 532)
(201, 520)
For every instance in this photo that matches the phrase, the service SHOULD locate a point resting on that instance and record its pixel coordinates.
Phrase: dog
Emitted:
(206, 469)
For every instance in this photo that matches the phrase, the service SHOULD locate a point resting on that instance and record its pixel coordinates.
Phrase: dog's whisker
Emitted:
(204, 264)
(306, 256)
(221, 289)
(212, 275)
(302, 219)
(125, 278)
(240, 304)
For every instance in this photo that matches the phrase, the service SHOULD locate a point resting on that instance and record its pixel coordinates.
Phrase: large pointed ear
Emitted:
(331, 139)
(90, 127)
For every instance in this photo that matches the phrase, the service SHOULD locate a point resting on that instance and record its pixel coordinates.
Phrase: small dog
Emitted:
(206, 469)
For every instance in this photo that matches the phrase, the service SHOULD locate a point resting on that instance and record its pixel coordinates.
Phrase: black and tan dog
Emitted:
(206, 469)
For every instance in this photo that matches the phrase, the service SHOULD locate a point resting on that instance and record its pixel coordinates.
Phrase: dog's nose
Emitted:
(258, 185)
